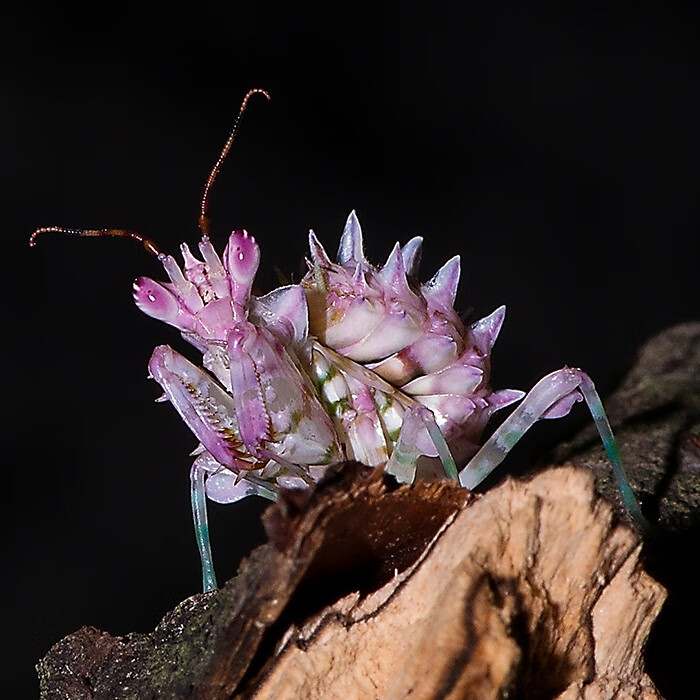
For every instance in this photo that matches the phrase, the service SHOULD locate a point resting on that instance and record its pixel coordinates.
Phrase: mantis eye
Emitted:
(241, 258)
(156, 301)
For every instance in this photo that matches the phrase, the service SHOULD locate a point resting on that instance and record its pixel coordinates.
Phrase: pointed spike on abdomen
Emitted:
(319, 257)
(351, 249)
(393, 273)
(411, 254)
(442, 288)
(486, 330)
(320, 261)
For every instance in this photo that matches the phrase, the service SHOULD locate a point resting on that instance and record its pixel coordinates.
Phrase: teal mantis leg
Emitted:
(402, 463)
(552, 397)
(201, 526)
(440, 443)
(595, 405)
(234, 488)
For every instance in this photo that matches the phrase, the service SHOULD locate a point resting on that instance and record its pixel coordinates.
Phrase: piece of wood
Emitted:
(377, 591)
(533, 590)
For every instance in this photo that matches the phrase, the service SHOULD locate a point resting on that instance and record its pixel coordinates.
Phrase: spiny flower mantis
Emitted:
(355, 362)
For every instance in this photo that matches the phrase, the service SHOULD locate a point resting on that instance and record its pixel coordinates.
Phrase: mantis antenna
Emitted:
(204, 205)
(147, 243)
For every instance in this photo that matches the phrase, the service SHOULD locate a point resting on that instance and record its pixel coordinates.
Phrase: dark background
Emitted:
(556, 151)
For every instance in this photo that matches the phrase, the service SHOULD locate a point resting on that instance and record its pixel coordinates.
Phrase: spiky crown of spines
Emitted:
(436, 360)
(352, 283)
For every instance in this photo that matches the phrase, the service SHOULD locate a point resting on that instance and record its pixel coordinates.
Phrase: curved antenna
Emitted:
(204, 206)
(147, 243)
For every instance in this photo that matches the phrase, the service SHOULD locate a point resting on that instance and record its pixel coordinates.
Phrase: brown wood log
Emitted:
(533, 589)
(369, 590)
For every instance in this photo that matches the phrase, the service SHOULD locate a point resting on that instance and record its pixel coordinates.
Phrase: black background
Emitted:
(556, 151)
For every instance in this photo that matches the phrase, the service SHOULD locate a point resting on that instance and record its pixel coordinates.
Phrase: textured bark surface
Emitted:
(373, 591)
(369, 590)
(533, 589)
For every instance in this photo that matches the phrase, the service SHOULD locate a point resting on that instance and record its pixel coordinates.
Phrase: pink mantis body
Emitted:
(355, 362)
